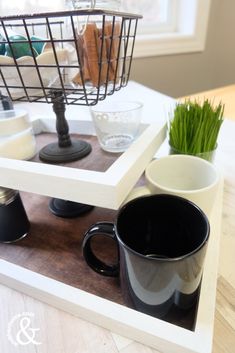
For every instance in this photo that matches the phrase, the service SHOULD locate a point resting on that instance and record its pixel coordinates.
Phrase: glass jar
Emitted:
(95, 4)
(208, 156)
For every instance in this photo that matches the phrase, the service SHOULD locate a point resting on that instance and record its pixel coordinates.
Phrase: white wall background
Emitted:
(178, 75)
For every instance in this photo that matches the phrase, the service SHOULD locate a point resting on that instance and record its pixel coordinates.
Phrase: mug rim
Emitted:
(185, 191)
(164, 259)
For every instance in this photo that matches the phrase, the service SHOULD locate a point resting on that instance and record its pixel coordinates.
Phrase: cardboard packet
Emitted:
(98, 62)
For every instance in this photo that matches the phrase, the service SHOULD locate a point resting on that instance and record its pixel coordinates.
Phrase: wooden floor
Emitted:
(63, 333)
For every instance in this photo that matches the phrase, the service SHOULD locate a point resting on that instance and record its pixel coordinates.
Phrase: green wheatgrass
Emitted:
(195, 127)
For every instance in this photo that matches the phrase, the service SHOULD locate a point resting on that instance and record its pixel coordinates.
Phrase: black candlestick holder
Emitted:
(66, 149)
(68, 209)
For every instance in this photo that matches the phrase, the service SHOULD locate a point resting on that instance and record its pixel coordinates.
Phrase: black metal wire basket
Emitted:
(66, 58)
(83, 55)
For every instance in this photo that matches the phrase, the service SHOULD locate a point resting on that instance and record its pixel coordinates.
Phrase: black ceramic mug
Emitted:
(162, 241)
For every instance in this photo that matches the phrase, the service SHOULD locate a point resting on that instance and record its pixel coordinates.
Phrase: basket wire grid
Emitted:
(73, 57)
(83, 54)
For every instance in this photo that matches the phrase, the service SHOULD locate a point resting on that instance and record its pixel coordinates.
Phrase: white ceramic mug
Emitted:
(187, 176)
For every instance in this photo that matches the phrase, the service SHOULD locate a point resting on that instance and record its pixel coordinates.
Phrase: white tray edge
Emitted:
(108, 189)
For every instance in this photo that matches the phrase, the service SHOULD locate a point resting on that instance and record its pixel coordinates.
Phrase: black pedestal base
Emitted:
(53, 153)
(68, 209)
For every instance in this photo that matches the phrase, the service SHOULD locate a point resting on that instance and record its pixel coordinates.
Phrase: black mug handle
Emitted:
(100, 228)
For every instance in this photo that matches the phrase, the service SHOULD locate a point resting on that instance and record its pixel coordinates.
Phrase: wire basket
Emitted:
(85, 55)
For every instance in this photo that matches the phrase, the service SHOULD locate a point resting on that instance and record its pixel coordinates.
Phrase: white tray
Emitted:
(163, 336)
(105, 189)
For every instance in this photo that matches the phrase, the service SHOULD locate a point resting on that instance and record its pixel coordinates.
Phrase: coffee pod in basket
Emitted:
(98, 52)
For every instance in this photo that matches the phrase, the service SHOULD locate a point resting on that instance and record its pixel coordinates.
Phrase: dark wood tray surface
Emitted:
(53, 245)
(98, 160)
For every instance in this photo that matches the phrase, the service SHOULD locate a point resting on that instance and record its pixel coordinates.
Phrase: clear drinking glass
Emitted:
(117, 124)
